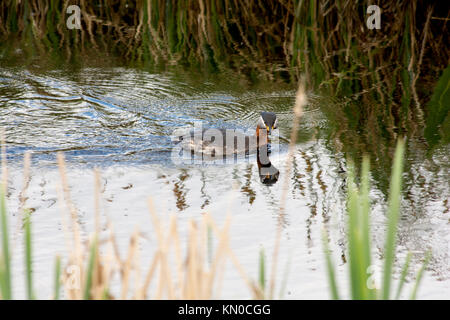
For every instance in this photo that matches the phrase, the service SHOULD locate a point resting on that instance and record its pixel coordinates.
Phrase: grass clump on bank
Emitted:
(361, 265)
(328, 41)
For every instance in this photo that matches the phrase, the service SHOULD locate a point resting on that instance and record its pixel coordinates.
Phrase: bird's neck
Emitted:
(261, 137)
(262, 148)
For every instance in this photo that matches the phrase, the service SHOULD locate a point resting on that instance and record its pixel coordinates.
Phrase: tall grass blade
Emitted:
(2, 278)
(285, 277)
(420, 275)
(403, 275)
(358, 235)
(330, 268)
(365, 223)
(5, 260)
(57, 281)
(90, 269)
(393, 214)
(358, 269)
(28, 255)
(262, 271)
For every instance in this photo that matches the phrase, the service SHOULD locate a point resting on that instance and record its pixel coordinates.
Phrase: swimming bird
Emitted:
(216, 143)
(226, 144)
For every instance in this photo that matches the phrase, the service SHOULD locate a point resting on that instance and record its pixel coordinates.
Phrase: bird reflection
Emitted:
(268, 173)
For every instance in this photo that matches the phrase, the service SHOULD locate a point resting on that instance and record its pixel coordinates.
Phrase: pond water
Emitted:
(120, 119)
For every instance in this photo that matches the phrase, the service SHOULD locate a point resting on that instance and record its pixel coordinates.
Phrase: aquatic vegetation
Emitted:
(5, 261)
(328, 41)
(360, 262)
(5, 264)
(438, 108)
(92, 267)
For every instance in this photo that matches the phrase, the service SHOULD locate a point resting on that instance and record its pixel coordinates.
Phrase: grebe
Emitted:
(221, 144)
(214, 143)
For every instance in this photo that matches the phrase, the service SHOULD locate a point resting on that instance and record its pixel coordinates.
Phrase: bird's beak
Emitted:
(269, 130)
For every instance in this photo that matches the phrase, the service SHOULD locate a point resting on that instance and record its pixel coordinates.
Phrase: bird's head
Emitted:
(268, 121)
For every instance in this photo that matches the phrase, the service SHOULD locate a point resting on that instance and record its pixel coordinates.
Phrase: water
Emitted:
(121, 120)
(99, 116)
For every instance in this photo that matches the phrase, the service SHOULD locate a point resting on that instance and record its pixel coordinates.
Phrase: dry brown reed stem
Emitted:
(178, 256)
(103, 270)
(151, 271)
(419, 64)
(192, 284)
(171, 237)
(161, 246)
(64, 218)
(189, 288)
(194, 279)
(137, 270)
(224, 241)
(98, 277)
(222, 236)
(195, 263)
(163, 249)
(300, 102)
(203, 257)
(165, 275)
(77, 257)
(217, 258)
(103, 265)
(127, 268)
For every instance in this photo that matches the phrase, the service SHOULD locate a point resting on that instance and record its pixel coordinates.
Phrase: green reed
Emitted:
(5, 261)
(261, 290)
(28, 255)
(328, 41)
(262, 271)
(358, 236)
(438, 112)
(57, 278)
(393, 216)
(90, 269)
